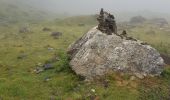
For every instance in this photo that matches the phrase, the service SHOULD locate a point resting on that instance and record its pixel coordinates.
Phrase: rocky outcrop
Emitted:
(97, 54)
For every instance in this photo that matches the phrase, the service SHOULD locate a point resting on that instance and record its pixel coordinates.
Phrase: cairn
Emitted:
(107, 23)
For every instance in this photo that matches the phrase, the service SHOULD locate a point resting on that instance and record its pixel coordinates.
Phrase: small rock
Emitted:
(132, 78)
(46, 29)
(50, 49)
(93, 90)
(56, 35)
(46, 79)
(40, 65)
(24, 30)
(140, 76)
(48, 66)
(38, 70)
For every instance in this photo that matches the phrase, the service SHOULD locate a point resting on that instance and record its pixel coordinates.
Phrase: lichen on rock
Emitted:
(96, 54)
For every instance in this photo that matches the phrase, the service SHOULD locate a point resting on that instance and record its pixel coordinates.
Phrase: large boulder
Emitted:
(96, 54)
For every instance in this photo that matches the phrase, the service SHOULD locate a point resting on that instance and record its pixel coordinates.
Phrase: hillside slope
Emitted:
(13, 12)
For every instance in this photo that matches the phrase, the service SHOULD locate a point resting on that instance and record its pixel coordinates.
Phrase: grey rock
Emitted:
(96, 54)
(46, 79)
(38, 70)
(48, 66)
(56, 35)
(24, 30)
(45, 29)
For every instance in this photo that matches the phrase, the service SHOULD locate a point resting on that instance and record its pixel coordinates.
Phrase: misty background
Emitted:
(92, 6)
(122, 9)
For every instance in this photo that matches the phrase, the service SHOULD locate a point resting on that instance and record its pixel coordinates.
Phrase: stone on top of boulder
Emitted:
(97, 54)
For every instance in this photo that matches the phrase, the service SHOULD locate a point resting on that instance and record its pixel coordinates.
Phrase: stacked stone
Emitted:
(107, 23)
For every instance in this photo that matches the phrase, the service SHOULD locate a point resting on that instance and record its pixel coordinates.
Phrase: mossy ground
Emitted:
(18, 81)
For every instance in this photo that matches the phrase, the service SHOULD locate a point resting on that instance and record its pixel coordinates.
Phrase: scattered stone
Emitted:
(50, 49)
(56, 35)
(48, 66)
(93, 90)
(144, 43)
(123, 34)
(130, 38)
(45, 29)
(42, 67)
(38, 70)
(46, 79)
(24, 30)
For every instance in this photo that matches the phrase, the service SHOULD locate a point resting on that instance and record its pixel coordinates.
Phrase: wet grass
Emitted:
(21, 52)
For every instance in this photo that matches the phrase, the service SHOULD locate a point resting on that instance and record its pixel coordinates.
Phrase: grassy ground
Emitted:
(18, 81)
(153, 35)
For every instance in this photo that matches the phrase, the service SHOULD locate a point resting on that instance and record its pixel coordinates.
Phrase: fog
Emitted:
(122, 9)
(92, 6)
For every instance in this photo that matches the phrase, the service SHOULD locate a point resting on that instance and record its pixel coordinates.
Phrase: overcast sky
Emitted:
(92, 6)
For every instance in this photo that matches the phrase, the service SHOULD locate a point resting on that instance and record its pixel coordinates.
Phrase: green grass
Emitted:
(157, 89)
(18, 81)
(159, 39)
